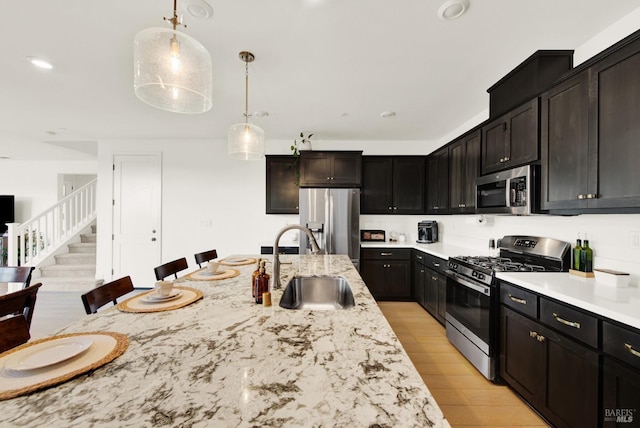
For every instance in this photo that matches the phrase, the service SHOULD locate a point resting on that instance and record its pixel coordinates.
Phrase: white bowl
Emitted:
(611, 278)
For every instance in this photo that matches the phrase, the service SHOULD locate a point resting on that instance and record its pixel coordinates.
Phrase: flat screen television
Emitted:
(7, 211)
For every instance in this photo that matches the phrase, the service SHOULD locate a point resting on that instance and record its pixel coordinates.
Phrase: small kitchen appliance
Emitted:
(472, 310)
(427, 232)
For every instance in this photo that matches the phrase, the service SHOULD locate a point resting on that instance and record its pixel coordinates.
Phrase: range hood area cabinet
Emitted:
(331, 169)
(464, 156)
(590, 132)
(393, 185)
(512, 139)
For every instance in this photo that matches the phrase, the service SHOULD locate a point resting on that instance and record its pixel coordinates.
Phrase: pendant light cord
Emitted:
(246, 91)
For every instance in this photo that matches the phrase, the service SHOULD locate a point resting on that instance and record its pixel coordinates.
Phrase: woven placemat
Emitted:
(230, 262)
(205, 275)
(107, 346)
(135, 304)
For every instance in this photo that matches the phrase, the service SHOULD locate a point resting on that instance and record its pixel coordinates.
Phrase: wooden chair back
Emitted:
(20, 274)
(14, 331)
(100, 296)
(171, 268)
(205, 256)
(21, 302)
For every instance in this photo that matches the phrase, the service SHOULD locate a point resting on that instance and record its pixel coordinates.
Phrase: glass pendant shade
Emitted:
(172, 71)
(245, 142)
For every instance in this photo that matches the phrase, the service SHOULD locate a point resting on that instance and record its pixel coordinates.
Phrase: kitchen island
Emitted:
(225, 361)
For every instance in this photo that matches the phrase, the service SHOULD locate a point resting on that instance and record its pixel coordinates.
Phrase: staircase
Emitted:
(75, 270)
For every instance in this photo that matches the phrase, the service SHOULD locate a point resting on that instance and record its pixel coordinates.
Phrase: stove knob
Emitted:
(481, 276)
(474, 274)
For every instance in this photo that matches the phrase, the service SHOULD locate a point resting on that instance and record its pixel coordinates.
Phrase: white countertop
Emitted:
(225, 361)
(438, 249)
(619, 304)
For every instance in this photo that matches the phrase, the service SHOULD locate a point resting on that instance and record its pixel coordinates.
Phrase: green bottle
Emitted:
(587, 257)
(577, 254)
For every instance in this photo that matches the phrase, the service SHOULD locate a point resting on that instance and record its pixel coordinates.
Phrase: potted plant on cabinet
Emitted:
(298, 145)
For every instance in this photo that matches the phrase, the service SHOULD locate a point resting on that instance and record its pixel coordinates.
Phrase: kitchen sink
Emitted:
(317, 293)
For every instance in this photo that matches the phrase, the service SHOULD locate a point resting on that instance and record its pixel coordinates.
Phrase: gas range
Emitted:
(517, 254)
(472, 309)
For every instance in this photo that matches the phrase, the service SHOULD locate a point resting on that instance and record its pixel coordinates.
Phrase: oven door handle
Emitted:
(477, 287)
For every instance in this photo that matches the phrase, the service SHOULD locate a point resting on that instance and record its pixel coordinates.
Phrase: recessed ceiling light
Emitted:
(39, 62)
(388, 114)
(453, 9)
(199, 9)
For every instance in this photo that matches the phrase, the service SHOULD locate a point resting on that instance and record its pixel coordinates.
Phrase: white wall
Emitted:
(35, 183)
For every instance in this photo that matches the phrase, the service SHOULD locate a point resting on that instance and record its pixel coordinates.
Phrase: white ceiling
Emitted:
(325, 66)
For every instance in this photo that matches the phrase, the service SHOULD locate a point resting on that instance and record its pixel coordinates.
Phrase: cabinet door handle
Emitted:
(631, 350)
(436, 264)
(573, 324)
(541, 338)
(592, 196)
(390, 208)
(386, 254)
(421, 270)
(501, 160)
(518, 300)
(533, 334)
(506, 159)
(582, 197)
(419, 257)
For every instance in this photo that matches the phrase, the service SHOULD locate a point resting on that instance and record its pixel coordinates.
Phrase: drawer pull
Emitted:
(518, 300)
(386, 254)
(436, 264)
(541, 338)
(533, 334)
(573, 324)
(631, 350)
(419, 257)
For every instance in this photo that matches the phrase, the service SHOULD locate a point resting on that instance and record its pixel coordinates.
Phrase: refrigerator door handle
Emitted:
(328, 215)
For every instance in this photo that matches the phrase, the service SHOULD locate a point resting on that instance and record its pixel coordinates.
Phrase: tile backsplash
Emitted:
(613, 237)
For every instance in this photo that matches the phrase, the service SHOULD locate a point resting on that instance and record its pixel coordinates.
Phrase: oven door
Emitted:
(469, 309)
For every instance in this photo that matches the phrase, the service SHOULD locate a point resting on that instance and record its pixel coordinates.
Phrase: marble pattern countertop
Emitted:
(225, 361)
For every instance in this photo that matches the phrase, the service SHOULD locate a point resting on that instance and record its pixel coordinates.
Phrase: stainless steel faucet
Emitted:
(276, 250)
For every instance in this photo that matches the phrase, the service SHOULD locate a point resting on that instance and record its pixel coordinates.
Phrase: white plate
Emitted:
(237, 259)
(154, 297)
(48, 353)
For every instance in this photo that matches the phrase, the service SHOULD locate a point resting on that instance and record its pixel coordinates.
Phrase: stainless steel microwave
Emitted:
(514, 191)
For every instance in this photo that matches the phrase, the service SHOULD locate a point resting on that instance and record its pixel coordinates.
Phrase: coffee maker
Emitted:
(427, 232)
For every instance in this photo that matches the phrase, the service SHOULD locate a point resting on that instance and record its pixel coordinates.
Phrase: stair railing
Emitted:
(32, 241)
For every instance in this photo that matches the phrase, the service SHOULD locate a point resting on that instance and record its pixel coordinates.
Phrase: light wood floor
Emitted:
(466, 398)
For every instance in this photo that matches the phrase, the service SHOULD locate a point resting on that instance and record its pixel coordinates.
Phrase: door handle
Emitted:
(153, 239)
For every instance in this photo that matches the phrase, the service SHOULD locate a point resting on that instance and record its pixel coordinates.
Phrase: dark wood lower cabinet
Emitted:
(387, 273)
(556, 375)
(621, 395)
(429, 284)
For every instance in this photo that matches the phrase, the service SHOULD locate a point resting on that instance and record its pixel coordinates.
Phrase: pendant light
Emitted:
(246, 140)
(172, 70)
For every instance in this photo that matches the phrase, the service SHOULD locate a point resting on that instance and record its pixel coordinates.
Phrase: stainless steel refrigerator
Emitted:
(333, 216)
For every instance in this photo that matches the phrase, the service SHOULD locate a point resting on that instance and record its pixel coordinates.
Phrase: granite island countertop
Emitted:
(224, 361)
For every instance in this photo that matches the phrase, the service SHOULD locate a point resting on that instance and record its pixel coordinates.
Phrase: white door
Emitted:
(136, 217)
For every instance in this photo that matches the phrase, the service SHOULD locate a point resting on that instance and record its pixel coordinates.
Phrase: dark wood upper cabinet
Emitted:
(590, 132)
(464, 156)
(512, 139)
(564, 144)
(393, 185)
(438, 182)
(331, 169)
(282, 190)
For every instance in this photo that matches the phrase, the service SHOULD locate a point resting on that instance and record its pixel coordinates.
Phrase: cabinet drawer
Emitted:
(621, 343)
(386, 254)
(570, 321)
(521, 300)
